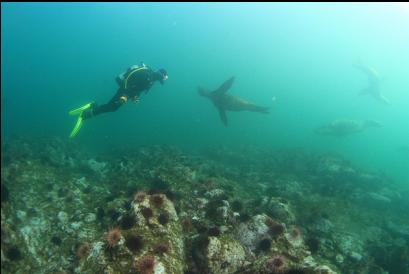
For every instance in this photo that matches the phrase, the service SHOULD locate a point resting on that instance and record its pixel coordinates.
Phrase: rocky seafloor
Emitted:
(224, 210)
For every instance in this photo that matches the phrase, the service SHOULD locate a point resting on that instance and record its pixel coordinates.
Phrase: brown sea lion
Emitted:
(226, 102)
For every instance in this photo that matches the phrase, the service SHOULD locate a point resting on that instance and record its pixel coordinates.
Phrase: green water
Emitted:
(56, 57)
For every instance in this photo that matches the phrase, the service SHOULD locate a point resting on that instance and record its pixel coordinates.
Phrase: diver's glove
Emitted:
(135, 99)
(123, 99)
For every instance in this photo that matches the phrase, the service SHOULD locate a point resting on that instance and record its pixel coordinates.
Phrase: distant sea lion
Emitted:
(373, 88)
(344, 127)
(224, 101)
(403, 150)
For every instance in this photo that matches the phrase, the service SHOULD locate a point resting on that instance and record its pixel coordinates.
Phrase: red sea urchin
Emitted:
(269, 222)
(145, 265)
(83, 250)
(187, 224)
(276, 265)
(140, 196)
(113, 237)
(295, 233)
(161, 248)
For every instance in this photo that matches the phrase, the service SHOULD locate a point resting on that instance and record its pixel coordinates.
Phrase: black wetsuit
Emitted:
(131, 85)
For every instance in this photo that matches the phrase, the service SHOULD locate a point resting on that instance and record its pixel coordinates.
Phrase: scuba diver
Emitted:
(131, 84)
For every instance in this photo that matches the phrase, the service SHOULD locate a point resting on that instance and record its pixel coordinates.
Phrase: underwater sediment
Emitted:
(224, 210)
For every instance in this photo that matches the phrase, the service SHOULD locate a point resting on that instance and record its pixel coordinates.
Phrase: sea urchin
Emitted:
(83, 250)
(157, 200)
(275, 228)
(163, 218)
(276, 265)
(140, 196)
(145, 265)
(113, 237)
(147, 212)
(264, 244)
(161, 248)
(134, 242)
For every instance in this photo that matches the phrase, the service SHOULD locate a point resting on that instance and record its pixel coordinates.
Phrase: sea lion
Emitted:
(345, 127)
(373, 89)
(224, 101)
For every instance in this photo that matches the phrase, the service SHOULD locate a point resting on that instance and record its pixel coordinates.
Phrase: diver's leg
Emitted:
(91, 109)
(111, 106)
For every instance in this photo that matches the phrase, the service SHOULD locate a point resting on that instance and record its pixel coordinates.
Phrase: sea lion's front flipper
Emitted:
(203, 92)
(223, 116)
(365, 91)
(225, 86)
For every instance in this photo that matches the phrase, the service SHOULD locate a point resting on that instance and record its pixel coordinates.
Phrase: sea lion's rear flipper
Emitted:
(225, 86)
(372, 123)
(256, 108)
(384, 100)
(365, 91)
(223, 116)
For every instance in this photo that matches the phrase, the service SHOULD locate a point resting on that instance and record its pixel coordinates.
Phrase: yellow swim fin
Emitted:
(77, 128)
(78, 111)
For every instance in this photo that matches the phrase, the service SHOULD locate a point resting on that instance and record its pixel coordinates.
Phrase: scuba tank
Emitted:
(120, 79)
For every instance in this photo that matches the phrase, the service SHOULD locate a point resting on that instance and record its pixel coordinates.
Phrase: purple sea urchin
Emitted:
(214, 231)
(127, 221)
(264, 244)
(13, 254)
(134, 242)
(236, 205)
(147, 212)
(163, 218)
(275, 228)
